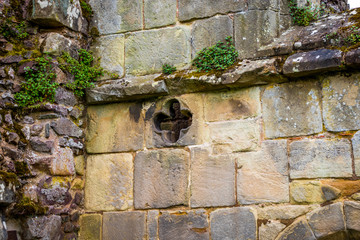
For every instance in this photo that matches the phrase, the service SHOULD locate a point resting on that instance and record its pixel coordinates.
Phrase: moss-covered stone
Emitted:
(90, 227)
(26, 206)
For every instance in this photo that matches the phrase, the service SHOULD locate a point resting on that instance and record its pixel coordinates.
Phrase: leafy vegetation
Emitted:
(345, 37)
(84, 71)
(86, 10)
(168, 69)
(14, 30)
(217, 57)
(303, 16)
(39, 85)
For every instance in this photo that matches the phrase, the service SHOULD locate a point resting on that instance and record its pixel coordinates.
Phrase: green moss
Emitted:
(86, 10)
(9, 178)
(94, 32)
(28, 207)
(22, 169)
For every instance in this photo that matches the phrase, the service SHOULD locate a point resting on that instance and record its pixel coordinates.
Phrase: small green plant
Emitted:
(217, 57)
(84, 71)
(303, 16)
(15, 30)
(353, 35)
(168, 69)
(39, 85)
(86, 10)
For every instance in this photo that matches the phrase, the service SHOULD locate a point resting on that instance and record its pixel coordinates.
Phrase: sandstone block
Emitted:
(58, 13)
(262, 5)
(90, 227)
(263, 176)
(189, 9)
(117, 16)
(109, 182)
(352, 215)
(63, 162)
(356, 150)
(284, 211)
(327, 220)
(124, 225)
(235, 136)
(231, 105)
(161, 178)
(292, 109)
(311, 62)
(56, 43)
(212, 179)
(115, 128)
(341, 107)
(208, 32)
(253, 29)
(159, 13)
(233, 223)
(300, 229)
(185, 128)
(270, 230)
(320, 158)
(110, 49)
(147, 51)
(152, 225)
(184, 225)
(79, 165)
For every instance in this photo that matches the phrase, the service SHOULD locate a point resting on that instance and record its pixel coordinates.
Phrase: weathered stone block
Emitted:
(327, 220)
(109, 182)
(183, 225)
(56, 44)
(115, 128)
(208, 32)
(117, 16)
(152, 224)
(292, 109)
(230, 105)
(124, 225)
(161, 178)
(299, 229)
(7, 193)
(147, 51)
(126, 89)
(352, 215)
(159, 13)
(270, 230)
(43, 227)
(90, 227)
(356, 150)
(264, 5)
(179, 130)
(320, 158)
(212, 179)
(189, 9)
(226, 137)
(79, 162)
(311, 62)
(110, 49)
(341, 103)
(54, 191)
(263, 176)
(233, 223)
(64, 126)
(62, 163)
(56, 13)
(254, 29)
(284, 211)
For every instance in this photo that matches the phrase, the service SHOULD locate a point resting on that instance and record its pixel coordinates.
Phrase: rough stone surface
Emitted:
(147, 51)
(124, 225)
(189, 9)
(41, 146)
(234, 223)
(352, 58)
(212, 179)
(183, 225)
(79, 162)
(63, 162)
(341, 103)
(56, 43)
(312, 62)
(111, 49)
(65, 97)
(117, 16)
(226, 138)
(352, 215)
(320, 158)
(230, 105)
(114, 128)
(152, 224)
(109, 182)
(263, 176)
(161, 178)
(300, 229)
(90, 227)
(208, 32)
(7, 194)
(126, 89)
(270, 230)
(356, 150)
(54, 191)
(306, 192)
(292, 109)
(284, 211)
(253, 29)
(43, 227)
(159, 13)
(64, 126)
(327, 220)
(58, 13)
